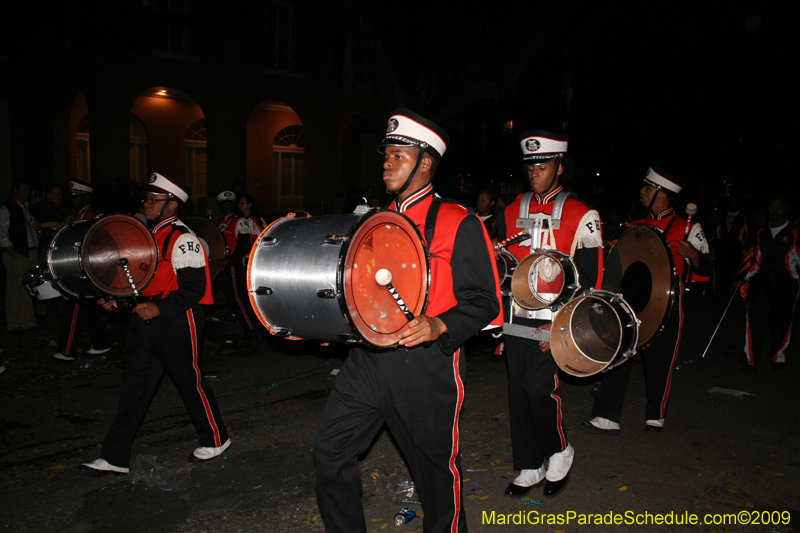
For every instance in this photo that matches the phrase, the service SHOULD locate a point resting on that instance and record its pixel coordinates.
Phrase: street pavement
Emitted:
(719, 456)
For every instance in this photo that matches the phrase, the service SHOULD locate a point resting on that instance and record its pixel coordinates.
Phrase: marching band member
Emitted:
(238, 302)
(773, 291)
(370, 391)
(166, 335)
(687, 244)
(538, 439)
(77, 313)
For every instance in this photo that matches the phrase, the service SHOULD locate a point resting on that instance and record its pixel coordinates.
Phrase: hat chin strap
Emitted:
(163, 207)
(653, 201)
(413, 173)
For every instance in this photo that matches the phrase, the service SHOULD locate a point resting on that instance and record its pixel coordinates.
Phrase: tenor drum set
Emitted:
(595, 330)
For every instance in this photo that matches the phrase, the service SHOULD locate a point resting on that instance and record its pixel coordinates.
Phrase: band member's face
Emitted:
(484, 204)
(398, 162)
(778, 210)
(543, 177)
(227, 207)
(244, 206)
(153, 203)
(77, 200)
(646, 195)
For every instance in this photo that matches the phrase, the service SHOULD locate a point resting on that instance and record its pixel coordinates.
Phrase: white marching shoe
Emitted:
(101, 466)
(207, 453)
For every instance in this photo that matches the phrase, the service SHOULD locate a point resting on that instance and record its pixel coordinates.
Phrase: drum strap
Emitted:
(165, 248)
(558, 207)
(430, 223)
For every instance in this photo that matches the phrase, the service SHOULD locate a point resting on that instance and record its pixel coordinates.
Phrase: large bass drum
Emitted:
(593, 331)
(639, 265)
(213, 241)
(85, 258)
(314, 277)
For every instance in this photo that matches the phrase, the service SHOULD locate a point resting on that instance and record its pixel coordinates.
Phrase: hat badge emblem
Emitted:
(532, 145)
(392, 125)
(153, 177)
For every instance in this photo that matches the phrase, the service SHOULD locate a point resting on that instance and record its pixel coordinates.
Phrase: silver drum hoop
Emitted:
(64, 261)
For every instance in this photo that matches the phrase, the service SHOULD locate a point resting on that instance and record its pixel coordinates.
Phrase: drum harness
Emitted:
(534, 226)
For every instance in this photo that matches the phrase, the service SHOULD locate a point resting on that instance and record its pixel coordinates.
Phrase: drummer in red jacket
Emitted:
(542, 452)
(166, 335)
(417, 388)
(689, 246)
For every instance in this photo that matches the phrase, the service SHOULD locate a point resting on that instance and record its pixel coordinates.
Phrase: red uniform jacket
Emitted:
(464, 293)
(182, 278)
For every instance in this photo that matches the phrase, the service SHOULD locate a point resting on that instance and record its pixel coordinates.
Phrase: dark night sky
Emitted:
(702, 89)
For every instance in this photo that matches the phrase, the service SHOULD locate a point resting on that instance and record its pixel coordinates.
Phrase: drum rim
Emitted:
(48, 261)
(99, 222)
(250, 293)
(674, 281)
(341, 274)
(562, 299)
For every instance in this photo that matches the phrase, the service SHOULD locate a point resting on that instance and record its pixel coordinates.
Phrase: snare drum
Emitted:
(593, 330)
(314, 277)
(545, 279)
(506, 264)
(39, 283)
(84, 257)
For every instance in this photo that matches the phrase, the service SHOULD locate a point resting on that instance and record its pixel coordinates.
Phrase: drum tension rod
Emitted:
(335, 239)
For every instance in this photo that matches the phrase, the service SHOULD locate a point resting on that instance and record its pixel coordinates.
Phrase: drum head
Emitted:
(385, 240)
(639, 266)
(114, 237)
(210, 234)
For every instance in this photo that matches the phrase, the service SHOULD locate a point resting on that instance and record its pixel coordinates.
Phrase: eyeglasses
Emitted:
(151, 201)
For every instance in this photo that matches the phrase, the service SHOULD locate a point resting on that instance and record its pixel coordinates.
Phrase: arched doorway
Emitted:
(276, 174)
(196, 161)
(140, 150)
(288, 164)
(174, 128)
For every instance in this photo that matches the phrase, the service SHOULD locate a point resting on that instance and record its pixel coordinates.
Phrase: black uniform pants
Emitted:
(173, 346)
(78, 314)
(234, 287)
(418, 395)
(770, 307)
(537, 427)
(659, 361)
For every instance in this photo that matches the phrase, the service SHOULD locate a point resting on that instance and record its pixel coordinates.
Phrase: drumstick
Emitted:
(124, 263)
(691, 209)
(522, 235)
(384, 277)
